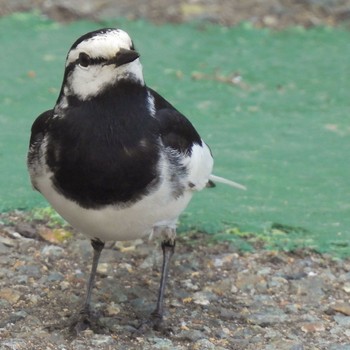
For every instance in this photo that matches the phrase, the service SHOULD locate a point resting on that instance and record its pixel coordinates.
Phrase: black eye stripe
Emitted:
(93, 61)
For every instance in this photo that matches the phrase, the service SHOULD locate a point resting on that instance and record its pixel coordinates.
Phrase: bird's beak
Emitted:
(124, 56)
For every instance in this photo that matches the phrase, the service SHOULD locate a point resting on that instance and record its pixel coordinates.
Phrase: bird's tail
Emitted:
(226, 182)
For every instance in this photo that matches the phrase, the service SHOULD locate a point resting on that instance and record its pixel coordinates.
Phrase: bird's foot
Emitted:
(78, 323)
(154, 322)
(85, 320)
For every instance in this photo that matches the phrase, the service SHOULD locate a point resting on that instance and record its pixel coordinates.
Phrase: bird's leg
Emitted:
(83, 319)
(168, 248)
(97, 245)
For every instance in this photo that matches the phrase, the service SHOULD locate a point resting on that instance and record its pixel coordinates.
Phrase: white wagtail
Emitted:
(113, 157)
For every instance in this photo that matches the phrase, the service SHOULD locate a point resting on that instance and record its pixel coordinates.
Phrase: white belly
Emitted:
(115, 223)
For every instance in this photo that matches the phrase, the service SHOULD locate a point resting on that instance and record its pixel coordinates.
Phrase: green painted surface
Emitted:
(284, 132)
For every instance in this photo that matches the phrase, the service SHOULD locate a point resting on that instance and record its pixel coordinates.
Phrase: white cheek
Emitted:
(90, 81)
(87, 82)
(131, 71)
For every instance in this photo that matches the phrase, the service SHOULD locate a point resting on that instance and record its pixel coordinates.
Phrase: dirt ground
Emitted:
(261, 13)
(217, 297)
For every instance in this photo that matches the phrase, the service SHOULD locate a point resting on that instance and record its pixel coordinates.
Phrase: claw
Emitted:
(80, 322)
(86, 320)
(155, 323)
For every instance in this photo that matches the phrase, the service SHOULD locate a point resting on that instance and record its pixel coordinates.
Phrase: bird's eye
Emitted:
(84, 59)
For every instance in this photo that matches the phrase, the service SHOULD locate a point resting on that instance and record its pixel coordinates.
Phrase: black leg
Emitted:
(168, 247)
(83, 320)
(98, 246)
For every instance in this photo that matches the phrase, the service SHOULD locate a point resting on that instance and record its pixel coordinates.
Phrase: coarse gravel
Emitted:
(217, 297)
(276, 14)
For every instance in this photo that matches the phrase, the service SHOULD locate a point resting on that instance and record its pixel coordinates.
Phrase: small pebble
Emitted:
(342, 320)
(201, 298)
(52, 250)
(313, 327)
(4, 249)
(112, 309)
(9, 295)
(191, 335)
(54, 277)
(64, 285)
(203, 344)
(17, 316)
(342, 307)
(270, 317)
(102, 340)
(102, 269)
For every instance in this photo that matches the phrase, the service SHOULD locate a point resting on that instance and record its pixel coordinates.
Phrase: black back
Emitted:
(176, 130)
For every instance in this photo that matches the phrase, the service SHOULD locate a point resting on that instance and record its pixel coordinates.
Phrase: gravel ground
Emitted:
(217, 297)
(261, 13)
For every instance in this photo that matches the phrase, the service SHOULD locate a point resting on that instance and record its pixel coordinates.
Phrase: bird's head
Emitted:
(98, 60)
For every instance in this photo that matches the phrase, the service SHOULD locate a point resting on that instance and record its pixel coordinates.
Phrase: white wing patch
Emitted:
(199, 165)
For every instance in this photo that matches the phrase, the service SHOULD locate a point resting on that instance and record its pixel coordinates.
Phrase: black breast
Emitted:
(105, 150)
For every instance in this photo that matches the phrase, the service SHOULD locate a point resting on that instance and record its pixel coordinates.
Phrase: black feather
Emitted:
(105, 150)
(40, 127)
(176, 130)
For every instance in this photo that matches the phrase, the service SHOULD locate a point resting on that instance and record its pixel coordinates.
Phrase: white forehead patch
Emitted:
(104, 45)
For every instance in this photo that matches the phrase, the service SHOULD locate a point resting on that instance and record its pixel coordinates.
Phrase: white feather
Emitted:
(227, 182)
(103, 45)
(116, 223)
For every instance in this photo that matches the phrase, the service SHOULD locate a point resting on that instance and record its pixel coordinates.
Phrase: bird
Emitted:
(114, 158)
